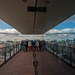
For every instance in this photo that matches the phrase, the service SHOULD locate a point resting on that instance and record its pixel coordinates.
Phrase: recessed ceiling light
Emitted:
(47, 1)
(24, 0)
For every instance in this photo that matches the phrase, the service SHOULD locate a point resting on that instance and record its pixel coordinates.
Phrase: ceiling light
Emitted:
(24, 0)
(47, 1)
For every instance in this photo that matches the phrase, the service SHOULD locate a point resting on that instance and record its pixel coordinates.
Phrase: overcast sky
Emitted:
(65, 30)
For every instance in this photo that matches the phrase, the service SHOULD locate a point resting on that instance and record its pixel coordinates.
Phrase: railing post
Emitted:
(57, 50)
(62, 52)
(70, 56)
(16, 48)
(50, 47)
(53, 49)
(35, 62)
(13, 49)
(5, 55)
(10, 51)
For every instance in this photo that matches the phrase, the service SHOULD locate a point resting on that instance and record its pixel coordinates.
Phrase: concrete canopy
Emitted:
(16, 14)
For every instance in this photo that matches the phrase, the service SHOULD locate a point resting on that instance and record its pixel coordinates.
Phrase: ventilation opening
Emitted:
(36, 9)
(24, 0)
(31, 9)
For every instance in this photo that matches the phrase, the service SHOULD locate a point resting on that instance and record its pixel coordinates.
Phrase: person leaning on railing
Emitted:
(29, 45)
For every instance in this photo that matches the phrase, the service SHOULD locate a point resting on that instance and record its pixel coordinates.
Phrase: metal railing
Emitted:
(7, 52)
(67, 54)
(35, 62)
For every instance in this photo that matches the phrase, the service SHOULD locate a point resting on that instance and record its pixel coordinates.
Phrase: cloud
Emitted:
(14, 31)
(67, 30)
(11, 34)
(8, 34)
(61, 34)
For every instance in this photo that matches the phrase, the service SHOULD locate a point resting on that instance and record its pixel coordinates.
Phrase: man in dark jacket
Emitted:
(22, 44)
(40, 45)
(26, 45)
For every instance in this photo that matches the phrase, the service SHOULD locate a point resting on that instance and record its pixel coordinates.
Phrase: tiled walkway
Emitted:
(22, 64)
(51, 65)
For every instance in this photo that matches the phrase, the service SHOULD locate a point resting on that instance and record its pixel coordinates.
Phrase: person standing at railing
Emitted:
(37, 45)
(40, 45)
(26, 45)
(22, 45)
(29, 45)
(43, 45)
(34, 42)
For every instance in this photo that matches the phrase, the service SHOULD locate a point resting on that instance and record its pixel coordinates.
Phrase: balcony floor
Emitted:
(22, 64)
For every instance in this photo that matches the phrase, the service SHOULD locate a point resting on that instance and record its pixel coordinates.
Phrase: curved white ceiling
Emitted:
(16, 14)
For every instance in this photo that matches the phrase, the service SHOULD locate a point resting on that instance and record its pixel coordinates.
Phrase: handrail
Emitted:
(35, 62)
(8, 52)
(63, 52)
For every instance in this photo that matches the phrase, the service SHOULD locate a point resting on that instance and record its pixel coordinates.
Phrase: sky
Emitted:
(69, 23)
(4, 25)
(65, 30)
